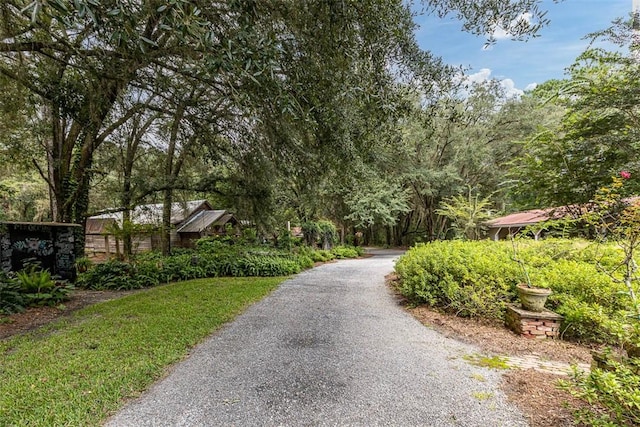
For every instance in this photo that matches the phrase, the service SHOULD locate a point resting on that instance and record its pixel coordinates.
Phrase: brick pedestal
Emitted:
(531, 324)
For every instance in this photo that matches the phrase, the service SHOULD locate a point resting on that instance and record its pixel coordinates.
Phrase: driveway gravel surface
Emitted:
(330, 347)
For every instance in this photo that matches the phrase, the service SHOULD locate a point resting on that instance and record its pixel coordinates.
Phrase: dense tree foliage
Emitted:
(285, 111)
(596, 138)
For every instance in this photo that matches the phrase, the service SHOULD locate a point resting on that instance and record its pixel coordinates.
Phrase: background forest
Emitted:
(295, 111)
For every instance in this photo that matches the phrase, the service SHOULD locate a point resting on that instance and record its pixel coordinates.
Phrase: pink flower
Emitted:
(625, 174)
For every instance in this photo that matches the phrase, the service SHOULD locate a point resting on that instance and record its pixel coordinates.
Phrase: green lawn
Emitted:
(79, 370)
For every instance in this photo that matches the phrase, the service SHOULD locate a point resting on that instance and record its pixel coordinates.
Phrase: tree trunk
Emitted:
(167, 200)
(70, 154)
(127, 243)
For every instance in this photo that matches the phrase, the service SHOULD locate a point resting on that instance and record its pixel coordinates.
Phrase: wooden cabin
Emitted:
(190, 221)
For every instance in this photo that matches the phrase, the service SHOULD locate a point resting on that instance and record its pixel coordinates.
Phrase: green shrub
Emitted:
(304, 261)
(38, 287)
(212, 258)
(210, 245)
(467, 278)
(267, 266)
(342, 252)
(320, 255)
(83, 264)
(478, 279)
(113, 275)
(328, 233)
(11, 300)
(616, 389)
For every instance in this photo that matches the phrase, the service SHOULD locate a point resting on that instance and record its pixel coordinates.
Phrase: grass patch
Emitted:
(495, 362)
(482, 395)
(479, 377)
(79, 370)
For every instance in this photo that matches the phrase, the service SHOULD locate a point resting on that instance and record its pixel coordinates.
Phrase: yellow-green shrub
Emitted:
(479, 278)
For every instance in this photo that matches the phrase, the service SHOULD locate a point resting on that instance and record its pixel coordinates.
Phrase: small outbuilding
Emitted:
(205, 223)
(190, 221)
(52, 245)
(505, 226)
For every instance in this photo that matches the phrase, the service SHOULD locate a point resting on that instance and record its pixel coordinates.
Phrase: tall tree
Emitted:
(80, 57)
(597, 137)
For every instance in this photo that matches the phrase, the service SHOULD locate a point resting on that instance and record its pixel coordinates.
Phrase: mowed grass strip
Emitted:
(79, 370)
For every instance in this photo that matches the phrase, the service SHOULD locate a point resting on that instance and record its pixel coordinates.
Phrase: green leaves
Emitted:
(597, 137)
(467, 214)
(376, 201)
(479, 278)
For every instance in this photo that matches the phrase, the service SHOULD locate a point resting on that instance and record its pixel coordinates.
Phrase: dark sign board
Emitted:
(52, 244)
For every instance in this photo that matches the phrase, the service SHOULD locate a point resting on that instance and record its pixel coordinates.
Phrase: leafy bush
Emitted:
(616, 389)
(478, 279)
(37, 287)
(328, 233)
(342, 252)
(83, 264)
(112, 274)
(304, 261)
(210, 245)
(321, 255)
(467, 278)
(311, 231)
(11, 300)
(212, 258)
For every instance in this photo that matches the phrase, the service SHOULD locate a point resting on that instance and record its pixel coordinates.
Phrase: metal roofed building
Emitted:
(509, 225)
(190, 221)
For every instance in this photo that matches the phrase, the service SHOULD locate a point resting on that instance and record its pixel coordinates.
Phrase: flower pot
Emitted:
(532, 299)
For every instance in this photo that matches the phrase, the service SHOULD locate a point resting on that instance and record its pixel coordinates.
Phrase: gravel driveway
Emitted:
(330, 347)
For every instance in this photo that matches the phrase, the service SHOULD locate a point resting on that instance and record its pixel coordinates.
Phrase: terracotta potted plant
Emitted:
(532, 298)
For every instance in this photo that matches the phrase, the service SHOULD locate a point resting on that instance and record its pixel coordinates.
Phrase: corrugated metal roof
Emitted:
(152, 214)
(522, 219)
(204, 219)
(534, 216)
(98, 225)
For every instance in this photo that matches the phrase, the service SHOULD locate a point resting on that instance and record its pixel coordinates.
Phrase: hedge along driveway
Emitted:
(78, 370)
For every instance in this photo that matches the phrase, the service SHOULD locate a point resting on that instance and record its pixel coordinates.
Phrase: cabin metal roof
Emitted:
(204, 219)
(152, 213)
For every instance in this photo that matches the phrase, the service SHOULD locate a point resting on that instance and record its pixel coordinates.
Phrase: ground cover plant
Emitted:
(616, 388)
(31, 287)
(78, 370)
(212, 257)
(478, 279)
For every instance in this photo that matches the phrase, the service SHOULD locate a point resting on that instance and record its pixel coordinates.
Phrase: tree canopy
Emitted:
(294, 111)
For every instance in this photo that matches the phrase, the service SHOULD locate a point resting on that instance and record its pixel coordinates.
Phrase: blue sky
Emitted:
(522, 64)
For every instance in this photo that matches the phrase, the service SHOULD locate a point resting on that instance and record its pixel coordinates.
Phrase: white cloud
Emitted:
(484, 75)
(479, 77)
(530, 86)
(501, 31)
(511, 91)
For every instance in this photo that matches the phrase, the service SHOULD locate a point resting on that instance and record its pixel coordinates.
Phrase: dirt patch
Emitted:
(496, 339)
(535, 393)
(35, 317)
